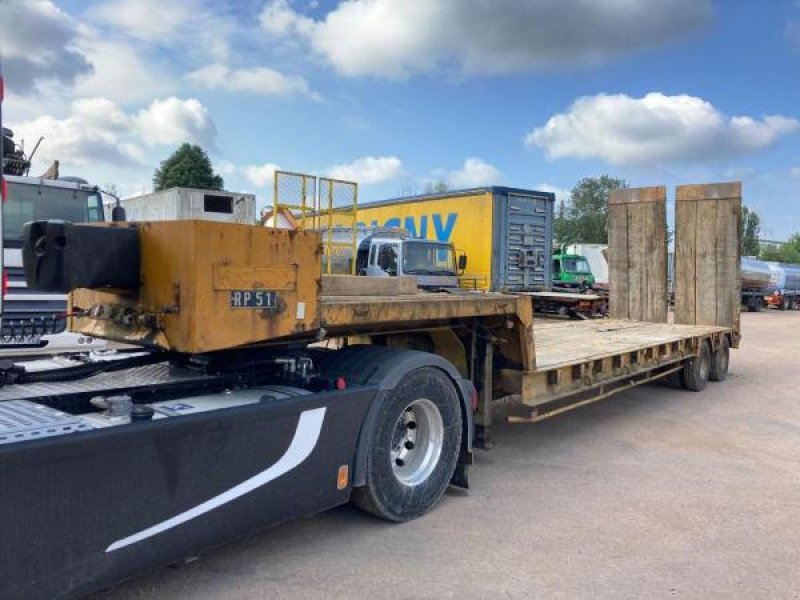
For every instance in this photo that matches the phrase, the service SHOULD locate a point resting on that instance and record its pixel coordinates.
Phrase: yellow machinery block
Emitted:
(209, 286)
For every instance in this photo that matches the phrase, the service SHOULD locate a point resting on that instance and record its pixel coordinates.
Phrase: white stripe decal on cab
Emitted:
(305, 439)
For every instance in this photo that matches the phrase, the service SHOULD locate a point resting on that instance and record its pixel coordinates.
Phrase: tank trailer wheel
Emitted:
(413, 449)
(694, 376)
(719, 361)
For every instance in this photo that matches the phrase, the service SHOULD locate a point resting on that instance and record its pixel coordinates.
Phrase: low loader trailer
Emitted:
(253, 397)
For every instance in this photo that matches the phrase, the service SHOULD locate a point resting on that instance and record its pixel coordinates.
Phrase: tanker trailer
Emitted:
(784, 284)
(755, 282)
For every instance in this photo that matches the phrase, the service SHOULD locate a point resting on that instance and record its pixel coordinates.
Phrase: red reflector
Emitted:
(341, 384)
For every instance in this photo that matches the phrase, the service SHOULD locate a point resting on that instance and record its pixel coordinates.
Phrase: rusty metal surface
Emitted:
(357, 313)
(189, 271)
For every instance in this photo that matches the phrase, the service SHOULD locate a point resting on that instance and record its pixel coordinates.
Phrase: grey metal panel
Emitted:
(498, 239)
(523, 241)
(22, 420)
(104, 382)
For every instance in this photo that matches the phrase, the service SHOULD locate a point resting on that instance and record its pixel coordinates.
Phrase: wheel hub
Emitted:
(417, 442)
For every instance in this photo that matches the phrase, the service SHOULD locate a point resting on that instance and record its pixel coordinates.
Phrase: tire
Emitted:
(695, 373)
(412, 455)
(719, 361)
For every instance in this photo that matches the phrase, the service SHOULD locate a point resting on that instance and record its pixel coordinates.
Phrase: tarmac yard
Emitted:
(654, 493)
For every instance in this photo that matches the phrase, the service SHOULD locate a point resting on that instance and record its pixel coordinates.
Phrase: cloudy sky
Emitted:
(398, 93)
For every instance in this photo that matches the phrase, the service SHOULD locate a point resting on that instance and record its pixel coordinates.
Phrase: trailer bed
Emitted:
(567, 343)
(359, 313)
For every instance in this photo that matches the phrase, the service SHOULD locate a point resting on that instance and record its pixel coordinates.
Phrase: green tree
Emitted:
(584, 217)
(788, 252)
(188, 166)
(750, 232)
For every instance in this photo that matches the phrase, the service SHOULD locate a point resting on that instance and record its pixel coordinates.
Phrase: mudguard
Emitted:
(383, 368)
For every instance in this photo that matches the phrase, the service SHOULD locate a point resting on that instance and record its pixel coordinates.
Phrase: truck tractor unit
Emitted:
(394, 253)
(571, 272)
(34, 322)
(784, 284)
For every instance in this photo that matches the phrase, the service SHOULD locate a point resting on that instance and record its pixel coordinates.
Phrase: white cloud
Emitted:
(39, 45)
(256, 80)
(174, 121)
(260, 175)
(121, 73)
(149, 20)
(562, 194)
(98, 131)
(394, 39)
(225, 167)
(279, 18)
(474, 173)
(368, 169)
(654, 129)
(193, 25)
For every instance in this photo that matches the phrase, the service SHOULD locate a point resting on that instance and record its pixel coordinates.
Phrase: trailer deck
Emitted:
(562, 344)
(366, 313)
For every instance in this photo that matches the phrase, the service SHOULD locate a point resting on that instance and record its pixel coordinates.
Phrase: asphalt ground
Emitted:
(654, 493)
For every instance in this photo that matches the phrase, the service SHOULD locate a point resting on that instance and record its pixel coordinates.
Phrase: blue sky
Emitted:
(396, 94)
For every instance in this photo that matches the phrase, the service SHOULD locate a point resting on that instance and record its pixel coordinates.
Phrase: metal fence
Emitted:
(321, 204)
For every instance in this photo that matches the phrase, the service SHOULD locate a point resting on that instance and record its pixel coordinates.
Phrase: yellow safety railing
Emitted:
(296, 193)
(322, 204)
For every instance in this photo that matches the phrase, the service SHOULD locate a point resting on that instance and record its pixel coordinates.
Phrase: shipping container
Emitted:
(506, 233)
(181, 203)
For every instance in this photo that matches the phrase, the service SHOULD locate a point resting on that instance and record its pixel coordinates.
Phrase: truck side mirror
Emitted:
(118, 213)
(462, 262)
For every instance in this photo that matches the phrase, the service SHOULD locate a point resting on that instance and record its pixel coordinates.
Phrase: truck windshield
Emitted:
(31, 202)
(576, 265)
(429, 258)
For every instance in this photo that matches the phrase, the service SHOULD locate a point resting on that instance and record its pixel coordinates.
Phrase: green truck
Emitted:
(571, 272)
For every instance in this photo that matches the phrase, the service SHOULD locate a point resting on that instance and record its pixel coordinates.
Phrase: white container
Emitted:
(179, 203)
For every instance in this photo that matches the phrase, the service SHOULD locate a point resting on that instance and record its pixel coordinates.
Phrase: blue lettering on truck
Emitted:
(442, 227)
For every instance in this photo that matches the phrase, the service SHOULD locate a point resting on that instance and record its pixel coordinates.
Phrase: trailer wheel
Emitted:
(755, 304)
(719, 361)
(694, 376)
(413, 448)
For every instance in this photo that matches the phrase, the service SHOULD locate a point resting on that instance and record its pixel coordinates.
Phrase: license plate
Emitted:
(253, 299)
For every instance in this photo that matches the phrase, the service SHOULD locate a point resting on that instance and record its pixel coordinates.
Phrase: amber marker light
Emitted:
(343, 477)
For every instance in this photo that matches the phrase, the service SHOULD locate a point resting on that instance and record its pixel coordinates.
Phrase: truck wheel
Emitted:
(719, 361)
(785, 303)
(694, 376)
(413, 447)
